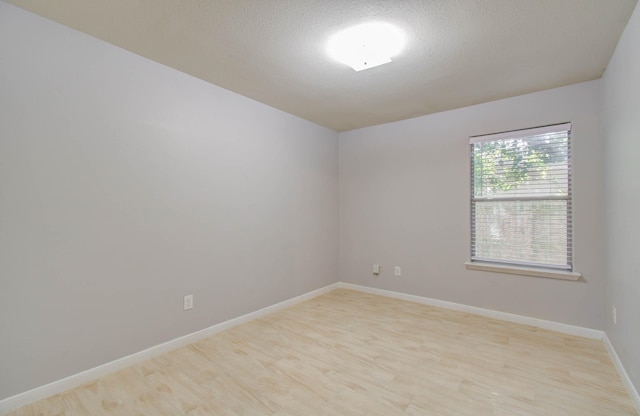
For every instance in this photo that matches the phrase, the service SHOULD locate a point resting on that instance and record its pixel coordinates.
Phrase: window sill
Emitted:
(526, 271)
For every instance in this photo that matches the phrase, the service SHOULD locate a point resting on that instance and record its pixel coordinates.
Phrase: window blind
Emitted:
(521, 197)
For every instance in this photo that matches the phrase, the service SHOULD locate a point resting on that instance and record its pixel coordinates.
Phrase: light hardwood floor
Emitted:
(350, 353)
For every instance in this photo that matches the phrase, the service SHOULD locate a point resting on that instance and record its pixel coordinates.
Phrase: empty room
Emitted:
(297, 207)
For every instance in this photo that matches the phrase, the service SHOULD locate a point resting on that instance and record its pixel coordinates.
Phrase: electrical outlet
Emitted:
(398, 271)
(188, 302)
(376, 269)
(614, 315)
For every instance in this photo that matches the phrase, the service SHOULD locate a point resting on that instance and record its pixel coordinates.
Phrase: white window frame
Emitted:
(522, 268)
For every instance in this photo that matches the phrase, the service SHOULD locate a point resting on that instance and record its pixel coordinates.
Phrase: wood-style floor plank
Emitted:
(350, 353)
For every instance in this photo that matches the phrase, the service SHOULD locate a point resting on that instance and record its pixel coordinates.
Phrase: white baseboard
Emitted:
(83, 377)
(626, 380)
(503, 316)
(520, 319)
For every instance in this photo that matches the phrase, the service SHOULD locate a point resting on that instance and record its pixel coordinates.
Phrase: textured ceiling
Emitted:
(459, 52)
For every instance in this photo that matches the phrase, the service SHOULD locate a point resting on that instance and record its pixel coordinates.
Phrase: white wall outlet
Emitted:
(398, 271)
(376, 269)
(188, 302)
(614, 315)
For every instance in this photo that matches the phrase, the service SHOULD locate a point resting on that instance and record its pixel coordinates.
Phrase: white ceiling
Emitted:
(459, 52)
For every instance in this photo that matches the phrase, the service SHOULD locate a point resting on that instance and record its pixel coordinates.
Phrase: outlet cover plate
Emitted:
(188, 302)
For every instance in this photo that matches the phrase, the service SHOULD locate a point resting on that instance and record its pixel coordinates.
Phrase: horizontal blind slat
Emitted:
(554, 128)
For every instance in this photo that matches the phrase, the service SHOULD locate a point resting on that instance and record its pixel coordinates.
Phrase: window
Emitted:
(521, 198)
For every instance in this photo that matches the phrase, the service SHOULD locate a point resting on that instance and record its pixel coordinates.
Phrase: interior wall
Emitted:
(125, 185)
(621, 91)
(404, 201)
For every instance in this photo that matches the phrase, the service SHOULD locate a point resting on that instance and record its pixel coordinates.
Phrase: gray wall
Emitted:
(125, 185)
(621, 90)
(404, 200)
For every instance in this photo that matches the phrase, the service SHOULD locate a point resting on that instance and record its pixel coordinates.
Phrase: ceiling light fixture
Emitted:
(367, 45)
